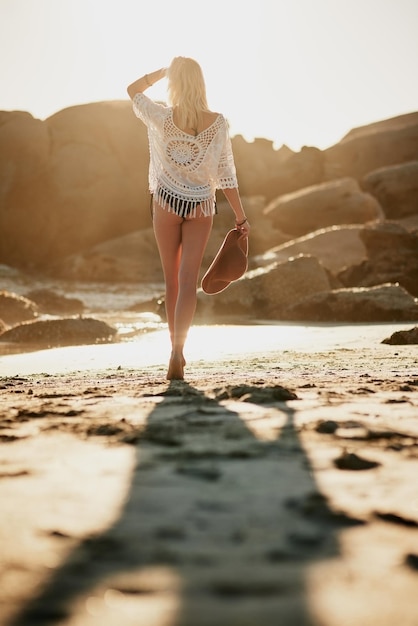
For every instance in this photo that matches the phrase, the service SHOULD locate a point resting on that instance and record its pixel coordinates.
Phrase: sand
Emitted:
(276, 486)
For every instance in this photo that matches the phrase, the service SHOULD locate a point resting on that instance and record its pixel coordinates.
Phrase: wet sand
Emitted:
(277, 485)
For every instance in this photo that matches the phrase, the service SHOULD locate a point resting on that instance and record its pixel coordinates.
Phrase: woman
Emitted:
(190, 157)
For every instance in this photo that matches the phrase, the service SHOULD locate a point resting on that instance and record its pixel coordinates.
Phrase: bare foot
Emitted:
(176, 367)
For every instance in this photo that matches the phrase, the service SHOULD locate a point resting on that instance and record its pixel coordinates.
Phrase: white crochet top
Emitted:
(183, 167)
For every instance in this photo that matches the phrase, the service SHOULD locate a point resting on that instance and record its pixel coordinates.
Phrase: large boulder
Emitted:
(382, 303)
(336, 247)
(364, 149)
(15, 309)
(52, 303)
(392, 256)
(328, 204)
(403, 337)
(386, 238)
(130, 258)
(258, 165)
(263, 170)
(265, 293)
(74, 180)
(410, 222)
(396, 189)
(25, 148)
(60, 332)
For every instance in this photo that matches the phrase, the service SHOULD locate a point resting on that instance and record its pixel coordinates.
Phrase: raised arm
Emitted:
(145, 81)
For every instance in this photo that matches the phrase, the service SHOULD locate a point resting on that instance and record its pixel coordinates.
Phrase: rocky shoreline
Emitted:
(334, 233)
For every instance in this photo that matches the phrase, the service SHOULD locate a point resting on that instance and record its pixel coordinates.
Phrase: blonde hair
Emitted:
(187, 91)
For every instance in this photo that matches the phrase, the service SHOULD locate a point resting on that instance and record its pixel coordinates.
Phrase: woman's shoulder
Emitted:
(214, 119)
(211, 116)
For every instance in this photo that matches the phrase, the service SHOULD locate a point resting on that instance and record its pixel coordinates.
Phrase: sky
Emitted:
(296, 72)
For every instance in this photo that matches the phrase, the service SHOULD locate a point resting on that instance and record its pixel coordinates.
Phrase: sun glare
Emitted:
(295, 72)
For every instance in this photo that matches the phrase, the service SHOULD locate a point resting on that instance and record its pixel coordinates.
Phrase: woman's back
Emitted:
(207, 118)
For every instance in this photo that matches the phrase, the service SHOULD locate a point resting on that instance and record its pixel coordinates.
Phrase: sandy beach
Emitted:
(276, 485)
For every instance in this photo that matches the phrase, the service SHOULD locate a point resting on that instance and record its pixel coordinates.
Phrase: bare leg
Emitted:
(167, 229)
(181, 243)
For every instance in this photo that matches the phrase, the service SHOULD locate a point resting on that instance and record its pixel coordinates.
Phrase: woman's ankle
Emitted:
(176, 366)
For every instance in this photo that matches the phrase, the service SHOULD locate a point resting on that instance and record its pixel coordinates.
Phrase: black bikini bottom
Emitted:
(186, 208)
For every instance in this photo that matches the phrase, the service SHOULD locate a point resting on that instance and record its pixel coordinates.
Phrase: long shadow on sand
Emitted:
(222, 521)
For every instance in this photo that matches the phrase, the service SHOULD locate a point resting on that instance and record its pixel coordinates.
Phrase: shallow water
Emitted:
(207, 343)
(143, 337)
(97, 297)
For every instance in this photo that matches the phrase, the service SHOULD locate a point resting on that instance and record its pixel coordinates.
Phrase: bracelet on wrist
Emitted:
(241, 223)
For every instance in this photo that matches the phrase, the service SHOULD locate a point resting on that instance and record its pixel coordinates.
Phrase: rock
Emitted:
(371, 147)
(403, 337)
(351, 461)
(299, 170)
(398, 122)
(336, 247)
(387, 237)
(383, 303)
(396, 189)
(60, 332)
(265, 293)
(409, 223)
(395, 518)
(320, 206)
(411, 560)
(53, 303)
(130, 258)
(392, 257)
(328, 427)
(258, 164)
(80, 179)
(70, 182)
(263, 395)
(15, 309)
